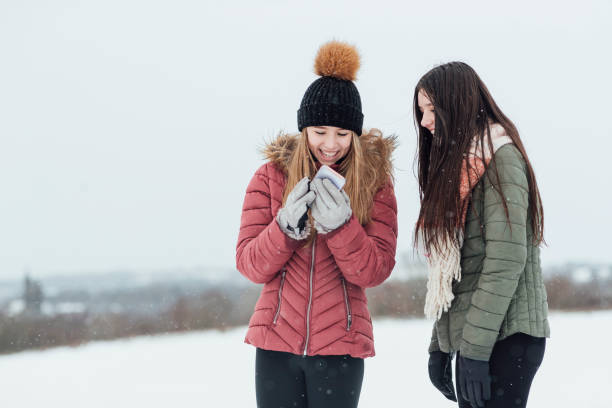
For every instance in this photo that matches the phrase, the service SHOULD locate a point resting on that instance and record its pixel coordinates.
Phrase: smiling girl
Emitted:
(316, 248)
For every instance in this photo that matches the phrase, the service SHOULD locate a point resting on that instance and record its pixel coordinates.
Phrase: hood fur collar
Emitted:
(377, 149)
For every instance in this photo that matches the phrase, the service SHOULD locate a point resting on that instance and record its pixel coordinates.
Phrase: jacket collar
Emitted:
(377, 150)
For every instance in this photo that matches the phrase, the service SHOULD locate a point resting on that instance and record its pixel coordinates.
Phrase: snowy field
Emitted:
(213, 369)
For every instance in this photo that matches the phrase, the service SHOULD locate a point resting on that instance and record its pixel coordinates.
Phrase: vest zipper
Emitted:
(349, 316)
(280, 296)
(312, 263)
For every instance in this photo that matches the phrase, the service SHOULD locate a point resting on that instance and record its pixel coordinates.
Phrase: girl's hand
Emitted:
(441, 373)
(331, 207)
(298, 201)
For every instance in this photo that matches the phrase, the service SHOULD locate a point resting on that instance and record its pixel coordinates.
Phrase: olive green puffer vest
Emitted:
(501, 290)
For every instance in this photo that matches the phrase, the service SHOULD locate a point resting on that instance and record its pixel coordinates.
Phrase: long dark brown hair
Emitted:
(464, 110)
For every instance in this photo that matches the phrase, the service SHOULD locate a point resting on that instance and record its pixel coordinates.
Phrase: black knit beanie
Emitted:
(333, 99)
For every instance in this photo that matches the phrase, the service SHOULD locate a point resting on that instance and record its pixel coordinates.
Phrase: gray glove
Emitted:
(332, 207)
(292, 218)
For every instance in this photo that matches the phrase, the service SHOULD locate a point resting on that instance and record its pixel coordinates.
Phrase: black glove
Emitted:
(475, 381)
(441, 374)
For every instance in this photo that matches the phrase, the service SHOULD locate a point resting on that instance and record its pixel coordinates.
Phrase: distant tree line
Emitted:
(228, 306)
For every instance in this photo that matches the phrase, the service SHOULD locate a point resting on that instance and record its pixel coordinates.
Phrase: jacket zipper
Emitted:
(312, 259)
(349, 316)
(280, 296)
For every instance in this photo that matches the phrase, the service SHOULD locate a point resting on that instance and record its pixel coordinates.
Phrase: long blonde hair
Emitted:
(363, 179)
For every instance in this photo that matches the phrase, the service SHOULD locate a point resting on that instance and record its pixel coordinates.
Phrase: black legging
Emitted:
(285, 380)
(513, 364)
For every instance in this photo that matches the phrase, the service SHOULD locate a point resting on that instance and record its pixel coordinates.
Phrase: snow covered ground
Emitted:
(214, 369)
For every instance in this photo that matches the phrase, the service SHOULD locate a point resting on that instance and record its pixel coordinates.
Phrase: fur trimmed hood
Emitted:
(377, 151)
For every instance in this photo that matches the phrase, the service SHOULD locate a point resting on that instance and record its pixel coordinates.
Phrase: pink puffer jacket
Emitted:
(313, 300)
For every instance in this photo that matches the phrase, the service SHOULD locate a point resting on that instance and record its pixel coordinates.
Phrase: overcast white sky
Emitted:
(129, 129)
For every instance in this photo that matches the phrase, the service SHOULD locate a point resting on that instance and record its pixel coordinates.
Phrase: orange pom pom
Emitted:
(337, 59)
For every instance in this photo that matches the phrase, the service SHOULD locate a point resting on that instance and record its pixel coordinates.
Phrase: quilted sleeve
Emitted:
(505, 254)
(262, 247)
(366, 254)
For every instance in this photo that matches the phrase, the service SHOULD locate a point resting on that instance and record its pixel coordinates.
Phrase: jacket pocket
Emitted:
(347, 304)
(280, 297)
